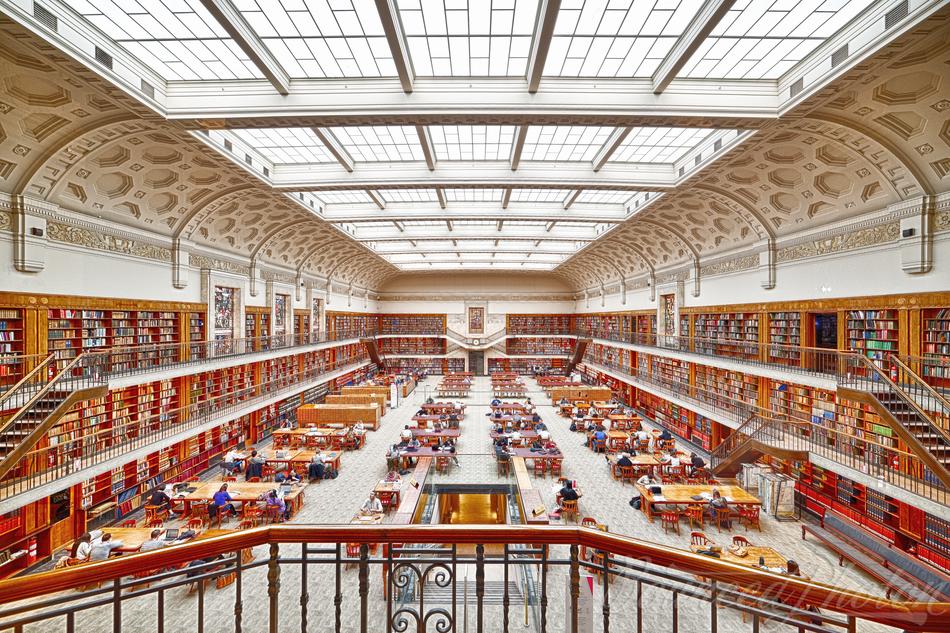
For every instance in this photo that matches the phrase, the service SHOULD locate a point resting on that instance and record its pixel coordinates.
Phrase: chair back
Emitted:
(569, 507)
(698, 538)
(740, 541)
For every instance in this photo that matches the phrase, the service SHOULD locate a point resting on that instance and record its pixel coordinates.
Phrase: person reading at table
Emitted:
(598, 436)
(564, 402)
(624, 461)
(159, 498)
(372, 505)
(287, 476)
(255, 466)
(154, 542)
(567, 493)
(273, 500)
(81, 548)
(647, 480)
(429, 400)
(665, 435)
(406, 434)
(718, 503)
(697, 463)
(316, 469)
(221, 501)
(495, 402)
(536, 418)
(672, 459)
(103, 548)
(231, 463)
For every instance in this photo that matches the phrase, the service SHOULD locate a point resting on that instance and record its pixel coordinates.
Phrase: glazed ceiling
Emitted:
(595, 139)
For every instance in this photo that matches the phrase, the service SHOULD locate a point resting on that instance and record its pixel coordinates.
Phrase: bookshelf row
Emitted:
(361, 324)
(428, 365)
(542, 346)
(526, 366)
(549, 324)
(412, 346)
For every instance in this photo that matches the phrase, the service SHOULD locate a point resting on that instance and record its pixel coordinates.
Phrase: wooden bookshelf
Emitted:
(667, 370)
(665, 413)
(11, 344)
(429, 365)
(524, 366)
(935, 346)
(873, 333)
(352, 323)
(785, 328)
(539, 323)
(411, 323)
(724, 332)
(196, 326)
(301, 322)
(542, 346)
(799, 402)
(722, 387)
(416, 346)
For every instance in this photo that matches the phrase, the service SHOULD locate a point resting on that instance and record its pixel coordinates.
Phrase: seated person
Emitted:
(665, 435)
(540, 426)
(647, 480)
(564, 402)
(497, 427)
(495, 401)
(550, 446)
(287, 476)
(255, 466)
(642, 435)
(515, 437)
(421, 412)
(160, 498)
(82, 547)
(624, 461)
(538, 443)
(406, 434)
(697, 463)
(497, 414)
(154, 542)
(437, 425)
(544, 435)
(273, 500)
(567, 493)
(359, 428)
(536, 418)
(599, 435)
(429, 400)
(448, 445)
(672, 459)
(372, 505)
(718, 502)
(102, 548)
(232, 463)
(221, 501)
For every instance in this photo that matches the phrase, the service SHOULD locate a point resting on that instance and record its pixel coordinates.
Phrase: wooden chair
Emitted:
(670, 521)
(128, 523)
(590, 522)
(251, 517)
(750, 517)
(442, 464)
(273, 514)
(254, 480)
(598, 446)
(699, 538)
(154, 522)
(722, 518)
(312, 441)
(694, 514)
(539, 469)
(224, 580)
(555, 467)
(628, 473)
(351, 443)
(195, 523)
(643, 446)
(741, 541)
(268, 472)
(155, 512)
(569, 509)
(503, 466)
(229, 479)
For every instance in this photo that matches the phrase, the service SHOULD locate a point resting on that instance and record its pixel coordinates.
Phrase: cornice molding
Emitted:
(462, 296)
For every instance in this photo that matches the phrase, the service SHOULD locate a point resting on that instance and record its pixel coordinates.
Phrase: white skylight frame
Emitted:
(468, 38)
(659, 144)
(472, 142)
(408, 195)
(474, 195)
(298, 145)
(350, 196)
(320, 38)
(764, 39)
(604, 196)
(564, 143)
(539, 195)
(620, 38)
(183, 44)
(380, 143)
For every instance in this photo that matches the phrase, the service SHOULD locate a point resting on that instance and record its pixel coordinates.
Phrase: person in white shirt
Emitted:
(372, 505)
(515, 438)
(232, 462)
(312, 430)
(406, 435)
(102, 549)
(672, 460)
(543, 435)
(154, 542)
(606, 424)
(359, 428)
(646, 480)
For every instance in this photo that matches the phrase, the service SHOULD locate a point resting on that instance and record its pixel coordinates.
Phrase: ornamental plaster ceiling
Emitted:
(877, 136)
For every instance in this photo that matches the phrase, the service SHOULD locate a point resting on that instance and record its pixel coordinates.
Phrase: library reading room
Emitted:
(475, 316)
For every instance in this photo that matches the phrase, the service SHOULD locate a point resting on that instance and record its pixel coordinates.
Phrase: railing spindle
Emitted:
(479, 588)
(304, 595)
(575, 580)
(117, 605)
(201, 602)
(364, 587)
(338, 590)
(504, 597)
(544, 588)
(606, 607)
(273, 586)
(713, 607)
(161, 612)
(238, 579)
(676, 611)
(639, 606)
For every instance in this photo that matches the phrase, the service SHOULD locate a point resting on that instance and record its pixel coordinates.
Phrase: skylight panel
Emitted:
(468, 38)
(604, 197)
(177, 39)
(343, 197)
(474, 195)
(472, 142)
(286, 145)
(764, 39)
(408, 195)
(380, 143)
(539, 195)
(322, 38)
(564, 142)
(658, 144)
(620, 38)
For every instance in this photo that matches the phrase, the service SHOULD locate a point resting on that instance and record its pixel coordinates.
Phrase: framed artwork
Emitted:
(223, 310)
(280, 313)
(476, 320)
(316, 311)
(669, 314)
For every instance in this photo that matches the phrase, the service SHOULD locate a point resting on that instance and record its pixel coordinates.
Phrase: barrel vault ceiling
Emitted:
(597, 141)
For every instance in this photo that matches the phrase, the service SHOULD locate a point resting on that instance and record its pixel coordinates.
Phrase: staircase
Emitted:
(45, 402)
(755, 437)
(373, 350)
(917, 413)
(578, 357)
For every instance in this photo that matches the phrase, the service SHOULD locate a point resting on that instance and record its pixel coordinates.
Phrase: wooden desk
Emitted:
(447, 408)
(410, 494)
(293, 438)
(303, 459)
(424, 451)
(510, 418)
(772, 558)
(616, 440)
(529, 497)
(242, 492)
(509, 391)
(133, 538)
(527, 453)
(453, 392)
(510, 406)
(627, 423)
(640, 460)
(270, 456)
(528, 436)
(427, 434)
(682, 494)
(389, 490)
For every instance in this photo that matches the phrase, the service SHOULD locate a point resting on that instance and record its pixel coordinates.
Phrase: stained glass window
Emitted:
(315, 317)
(223, 308)
(669, 314)
(280, 313)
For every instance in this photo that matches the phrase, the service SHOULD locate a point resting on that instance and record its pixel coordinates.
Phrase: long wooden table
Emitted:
(532, 505)
(303, 458)
(281, 456)
(133, 538)
(510, 406)
(428, 434)
(527, 453)
(640, 460)
(682, 494)
(241, 492)
(528, 436)
(772, 558)
(447, 408)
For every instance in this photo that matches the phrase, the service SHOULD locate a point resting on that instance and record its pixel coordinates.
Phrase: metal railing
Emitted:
(70, 450)
(483, 340)
(656, 585)
(21, 377)
(848, 446)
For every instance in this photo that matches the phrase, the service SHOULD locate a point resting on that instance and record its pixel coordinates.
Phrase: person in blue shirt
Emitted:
(222, 500)
(495, 402)
(288, 476)
(274, 500)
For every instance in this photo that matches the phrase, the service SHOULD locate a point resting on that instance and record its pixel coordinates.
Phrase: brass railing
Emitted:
(339, 577)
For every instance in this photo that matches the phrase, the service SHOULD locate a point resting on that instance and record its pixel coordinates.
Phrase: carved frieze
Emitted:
(212, 263)
(736, 264)
(843, 242)
(80, 236)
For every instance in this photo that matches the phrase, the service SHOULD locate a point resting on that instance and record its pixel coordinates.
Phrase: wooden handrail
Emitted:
(906, 396)
(912, 616)
(936, 395)
(28, 376)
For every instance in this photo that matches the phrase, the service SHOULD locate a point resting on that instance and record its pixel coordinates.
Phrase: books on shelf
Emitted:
(542, 346)
(873, 333)
(411, 323)
(539, 323)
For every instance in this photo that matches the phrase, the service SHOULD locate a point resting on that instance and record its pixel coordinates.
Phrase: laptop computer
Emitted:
(171, 534)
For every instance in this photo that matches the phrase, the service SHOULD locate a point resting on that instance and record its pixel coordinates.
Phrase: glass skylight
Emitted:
(468, 38)
(604, 196)
(322, 38)
(380, 143)
(474, 195)
(343, 197)
(619, 38)
(408, 195)
(763, 39)
(539, 195)
(472, 142)
(564, 142)
(286, 145)
(178, 39)
(658, 144)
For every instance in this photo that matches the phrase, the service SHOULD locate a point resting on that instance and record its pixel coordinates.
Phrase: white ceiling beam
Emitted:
(499, 225)
(423, 234)
(399, 226)
(541, 41)
(506, 198)
(246, 38)
(745, 104)
(617, 137)
(441, 193)
(448, 223)
(334, 147)
(377, 198)
(692, 38)
(502, 250)
(428, 150)
(392, 27)
(518, 147)
(368, 212)
(572, 198)
(549, 226)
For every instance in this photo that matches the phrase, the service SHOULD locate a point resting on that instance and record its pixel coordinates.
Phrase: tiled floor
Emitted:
(335, 501)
